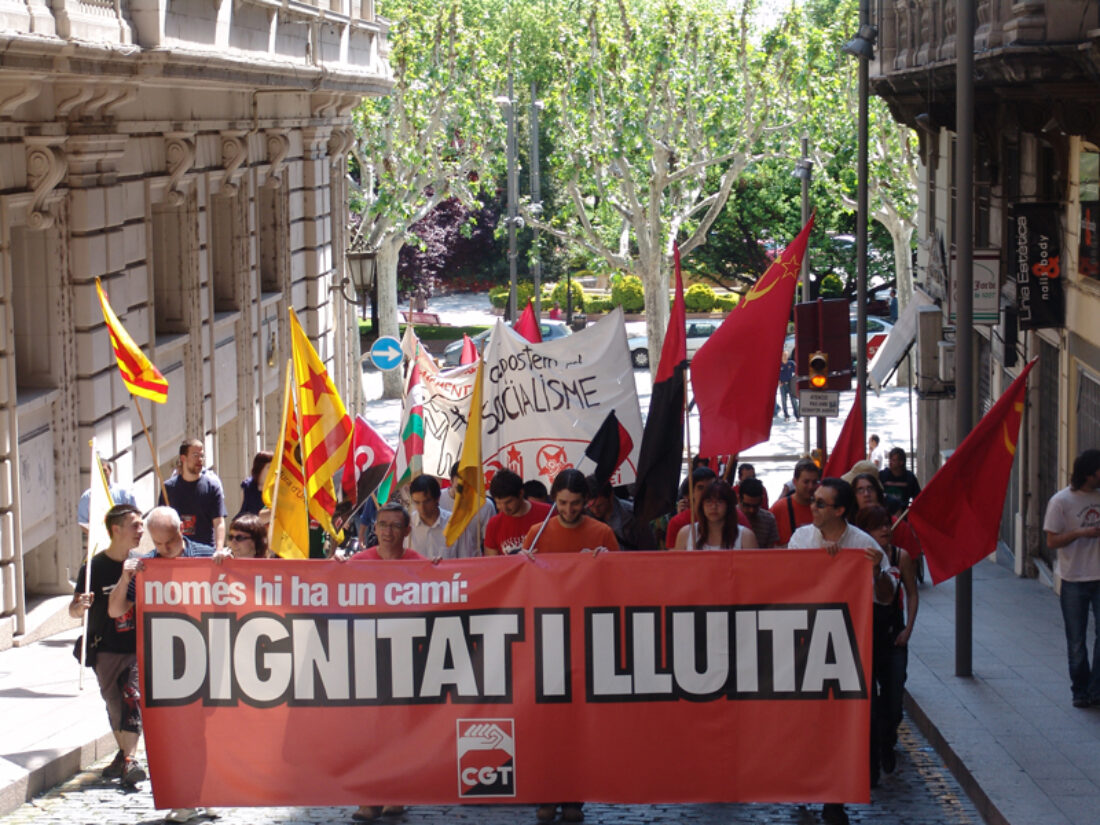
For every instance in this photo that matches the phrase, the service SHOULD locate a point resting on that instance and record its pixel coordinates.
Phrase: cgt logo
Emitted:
(486, 758)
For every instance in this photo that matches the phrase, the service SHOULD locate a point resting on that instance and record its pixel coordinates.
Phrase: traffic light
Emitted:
(819, 370)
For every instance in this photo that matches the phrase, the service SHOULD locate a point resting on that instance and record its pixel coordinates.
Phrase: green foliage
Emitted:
(627, 292)
(699, 298)
(525, 291)
(593, 305)
(558, 294)
(831, 286)
(724, 303)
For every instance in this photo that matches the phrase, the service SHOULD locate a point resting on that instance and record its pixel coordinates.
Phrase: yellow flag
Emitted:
(470, 495)
(284, 491)
(326, 426)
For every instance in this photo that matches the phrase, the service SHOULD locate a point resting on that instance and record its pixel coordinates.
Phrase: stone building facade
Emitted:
(192, 155)
(1037, 152)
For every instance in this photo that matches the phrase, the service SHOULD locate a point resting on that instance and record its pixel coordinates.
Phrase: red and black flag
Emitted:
(609, 448)
(662, 452)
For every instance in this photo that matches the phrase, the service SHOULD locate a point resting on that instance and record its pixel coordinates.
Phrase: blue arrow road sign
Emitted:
(386, 353)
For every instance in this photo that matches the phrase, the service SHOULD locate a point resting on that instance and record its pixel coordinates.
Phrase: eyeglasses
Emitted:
(239, 537)
(821, 503)
(388, 525)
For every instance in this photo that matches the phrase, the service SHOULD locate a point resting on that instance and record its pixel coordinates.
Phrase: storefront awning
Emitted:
(898, 342)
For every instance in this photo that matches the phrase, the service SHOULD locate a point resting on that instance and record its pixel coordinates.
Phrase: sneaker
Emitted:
(572, 813)
(114, 770)
(546, 813)
(833, 813)
(132, 772)
(393, 810)
(181, 814)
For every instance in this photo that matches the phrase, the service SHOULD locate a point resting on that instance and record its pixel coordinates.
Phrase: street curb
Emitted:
(20, 784)
(986, 807)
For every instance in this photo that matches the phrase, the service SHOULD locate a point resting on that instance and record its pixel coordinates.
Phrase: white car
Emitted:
(697, 333)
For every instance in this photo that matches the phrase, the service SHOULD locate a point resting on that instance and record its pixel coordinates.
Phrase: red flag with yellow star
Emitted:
(958, 513)
(735, 373)
(326, 427)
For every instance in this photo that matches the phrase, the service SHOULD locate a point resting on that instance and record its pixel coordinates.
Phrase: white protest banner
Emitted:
(544, 402)
(446, 411)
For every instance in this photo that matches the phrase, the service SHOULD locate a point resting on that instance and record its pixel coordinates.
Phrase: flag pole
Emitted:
(281, 448)
(534, 542)
(691, 484)
(97, 469)
(152, 450)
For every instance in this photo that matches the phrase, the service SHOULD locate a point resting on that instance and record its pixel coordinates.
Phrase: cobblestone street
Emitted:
(920, 792)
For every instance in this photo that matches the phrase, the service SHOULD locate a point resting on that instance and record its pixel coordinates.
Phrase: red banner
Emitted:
(624, 677)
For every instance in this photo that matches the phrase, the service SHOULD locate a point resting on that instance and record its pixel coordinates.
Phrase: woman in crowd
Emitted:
(893, 625)
(247, 537)
(716, 526)
(252, 500)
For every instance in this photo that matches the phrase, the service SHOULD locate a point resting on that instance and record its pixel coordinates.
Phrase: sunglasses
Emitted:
(239, 537)
(821, 503)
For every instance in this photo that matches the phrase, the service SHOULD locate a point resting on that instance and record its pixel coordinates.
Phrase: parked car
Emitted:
(697, 333)
(877, 330)
(551, 330)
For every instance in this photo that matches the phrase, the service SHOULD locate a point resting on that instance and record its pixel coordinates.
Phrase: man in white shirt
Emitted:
(428, 520)
(876, 453)
(1072, 525)
(833, 503)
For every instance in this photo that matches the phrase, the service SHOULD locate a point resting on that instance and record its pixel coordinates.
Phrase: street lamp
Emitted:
(361, 269)
(863, 47)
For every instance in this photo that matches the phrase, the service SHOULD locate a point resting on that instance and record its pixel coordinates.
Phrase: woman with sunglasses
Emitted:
(247, 538)
(716, 526)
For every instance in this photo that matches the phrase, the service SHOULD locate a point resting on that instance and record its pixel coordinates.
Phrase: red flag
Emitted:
(528, 325)
(734, 373)
(849, 447)
(469, 350)
(662, 452)
(368, 460)
(958, 513)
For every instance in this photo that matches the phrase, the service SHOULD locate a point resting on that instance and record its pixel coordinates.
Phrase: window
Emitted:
(35, 297)
(171, 256)
(229, 247)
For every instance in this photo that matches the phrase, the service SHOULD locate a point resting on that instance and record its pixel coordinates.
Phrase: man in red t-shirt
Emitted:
(515, 514)
(792, 511)
(391, 526)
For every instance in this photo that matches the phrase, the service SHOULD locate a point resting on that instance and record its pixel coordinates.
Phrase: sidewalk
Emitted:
(1010, 734)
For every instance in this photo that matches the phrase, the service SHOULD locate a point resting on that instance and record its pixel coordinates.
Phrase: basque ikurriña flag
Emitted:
(408, 463)
(734, 373)
(662, 453)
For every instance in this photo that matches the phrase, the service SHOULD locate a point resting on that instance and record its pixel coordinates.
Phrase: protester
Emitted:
(893, 625)
(169, 542)
(252, 500)
(744, 472)
(429, 520)
(247, 537)
(701, 478)
(897, 481)
(752, 503)
(535, 490)
(196, 494)
(555, 313)
(119, 495)
(833, 505)
(470, 543)
(716, 526)
(793, 511)
(111, 642)
(569, 530)
(618, 514)
(1072, 527)
(392, 526)
(868, 491)
(515, 514)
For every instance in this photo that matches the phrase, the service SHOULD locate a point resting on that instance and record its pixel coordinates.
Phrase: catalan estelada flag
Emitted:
(326, 427)
(958, 513)
(138, 373)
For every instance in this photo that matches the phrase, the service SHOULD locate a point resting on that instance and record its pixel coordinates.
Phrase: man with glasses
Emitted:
(833, 503)
(392, 526)
(753, 502)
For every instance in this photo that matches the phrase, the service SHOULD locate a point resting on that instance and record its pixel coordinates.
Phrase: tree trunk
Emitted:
(902, 234)
(386, 273)
(655, 282)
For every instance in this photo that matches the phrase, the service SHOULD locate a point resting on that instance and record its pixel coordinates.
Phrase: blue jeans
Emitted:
(785, 392)
(1078, 598)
